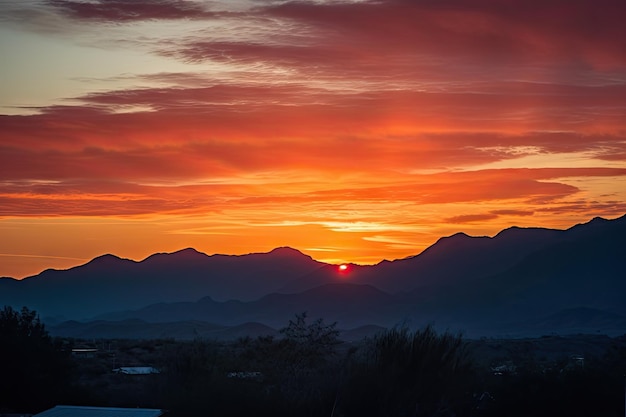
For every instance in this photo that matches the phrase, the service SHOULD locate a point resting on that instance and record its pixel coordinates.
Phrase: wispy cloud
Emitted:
(116, 11)
(22, 255)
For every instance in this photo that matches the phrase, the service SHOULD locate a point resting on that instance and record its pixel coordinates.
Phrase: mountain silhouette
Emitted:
(351, 305)
(524, 279)
(109, 283)
(450, 259)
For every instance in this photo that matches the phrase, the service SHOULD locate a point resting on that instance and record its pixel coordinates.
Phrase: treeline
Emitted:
(307, 372)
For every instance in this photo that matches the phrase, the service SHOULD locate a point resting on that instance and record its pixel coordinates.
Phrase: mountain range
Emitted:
(522, 281)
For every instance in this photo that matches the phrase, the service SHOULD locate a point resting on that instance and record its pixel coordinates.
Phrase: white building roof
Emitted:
(137, 370)
(79, 411)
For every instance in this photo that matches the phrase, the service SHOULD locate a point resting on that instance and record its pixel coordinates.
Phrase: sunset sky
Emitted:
(353, 131)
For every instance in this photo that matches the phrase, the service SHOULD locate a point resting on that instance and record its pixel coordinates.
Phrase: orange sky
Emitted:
(353, 131)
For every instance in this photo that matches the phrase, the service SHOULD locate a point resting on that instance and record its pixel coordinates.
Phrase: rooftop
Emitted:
(79, 411)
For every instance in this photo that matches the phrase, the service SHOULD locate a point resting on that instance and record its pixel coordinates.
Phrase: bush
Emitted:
(405, 373)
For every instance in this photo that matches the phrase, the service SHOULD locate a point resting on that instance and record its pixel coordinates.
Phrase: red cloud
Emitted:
(227, 129)
(470, 218)
(127, 11)
(228, 112)
(513, 212)
(399, 40)
(488, 31)
(98, 197)
(400, 87)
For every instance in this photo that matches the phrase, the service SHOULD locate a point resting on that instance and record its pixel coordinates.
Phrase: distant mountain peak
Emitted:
(599, 223)
(456, 238)
(189, 251)
(598, 219)
(601, 220)
(107, 258)
(289, 252)
(462, 236)
(285, 249)
(517, 231)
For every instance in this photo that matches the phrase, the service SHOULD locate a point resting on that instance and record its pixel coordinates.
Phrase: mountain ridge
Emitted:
(462, 282)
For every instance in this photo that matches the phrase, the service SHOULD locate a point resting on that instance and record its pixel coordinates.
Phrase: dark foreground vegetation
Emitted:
(310, 372)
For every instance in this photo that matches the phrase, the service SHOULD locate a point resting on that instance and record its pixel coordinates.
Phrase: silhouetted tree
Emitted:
(307, 375)
(309, 344)
(35, 371)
